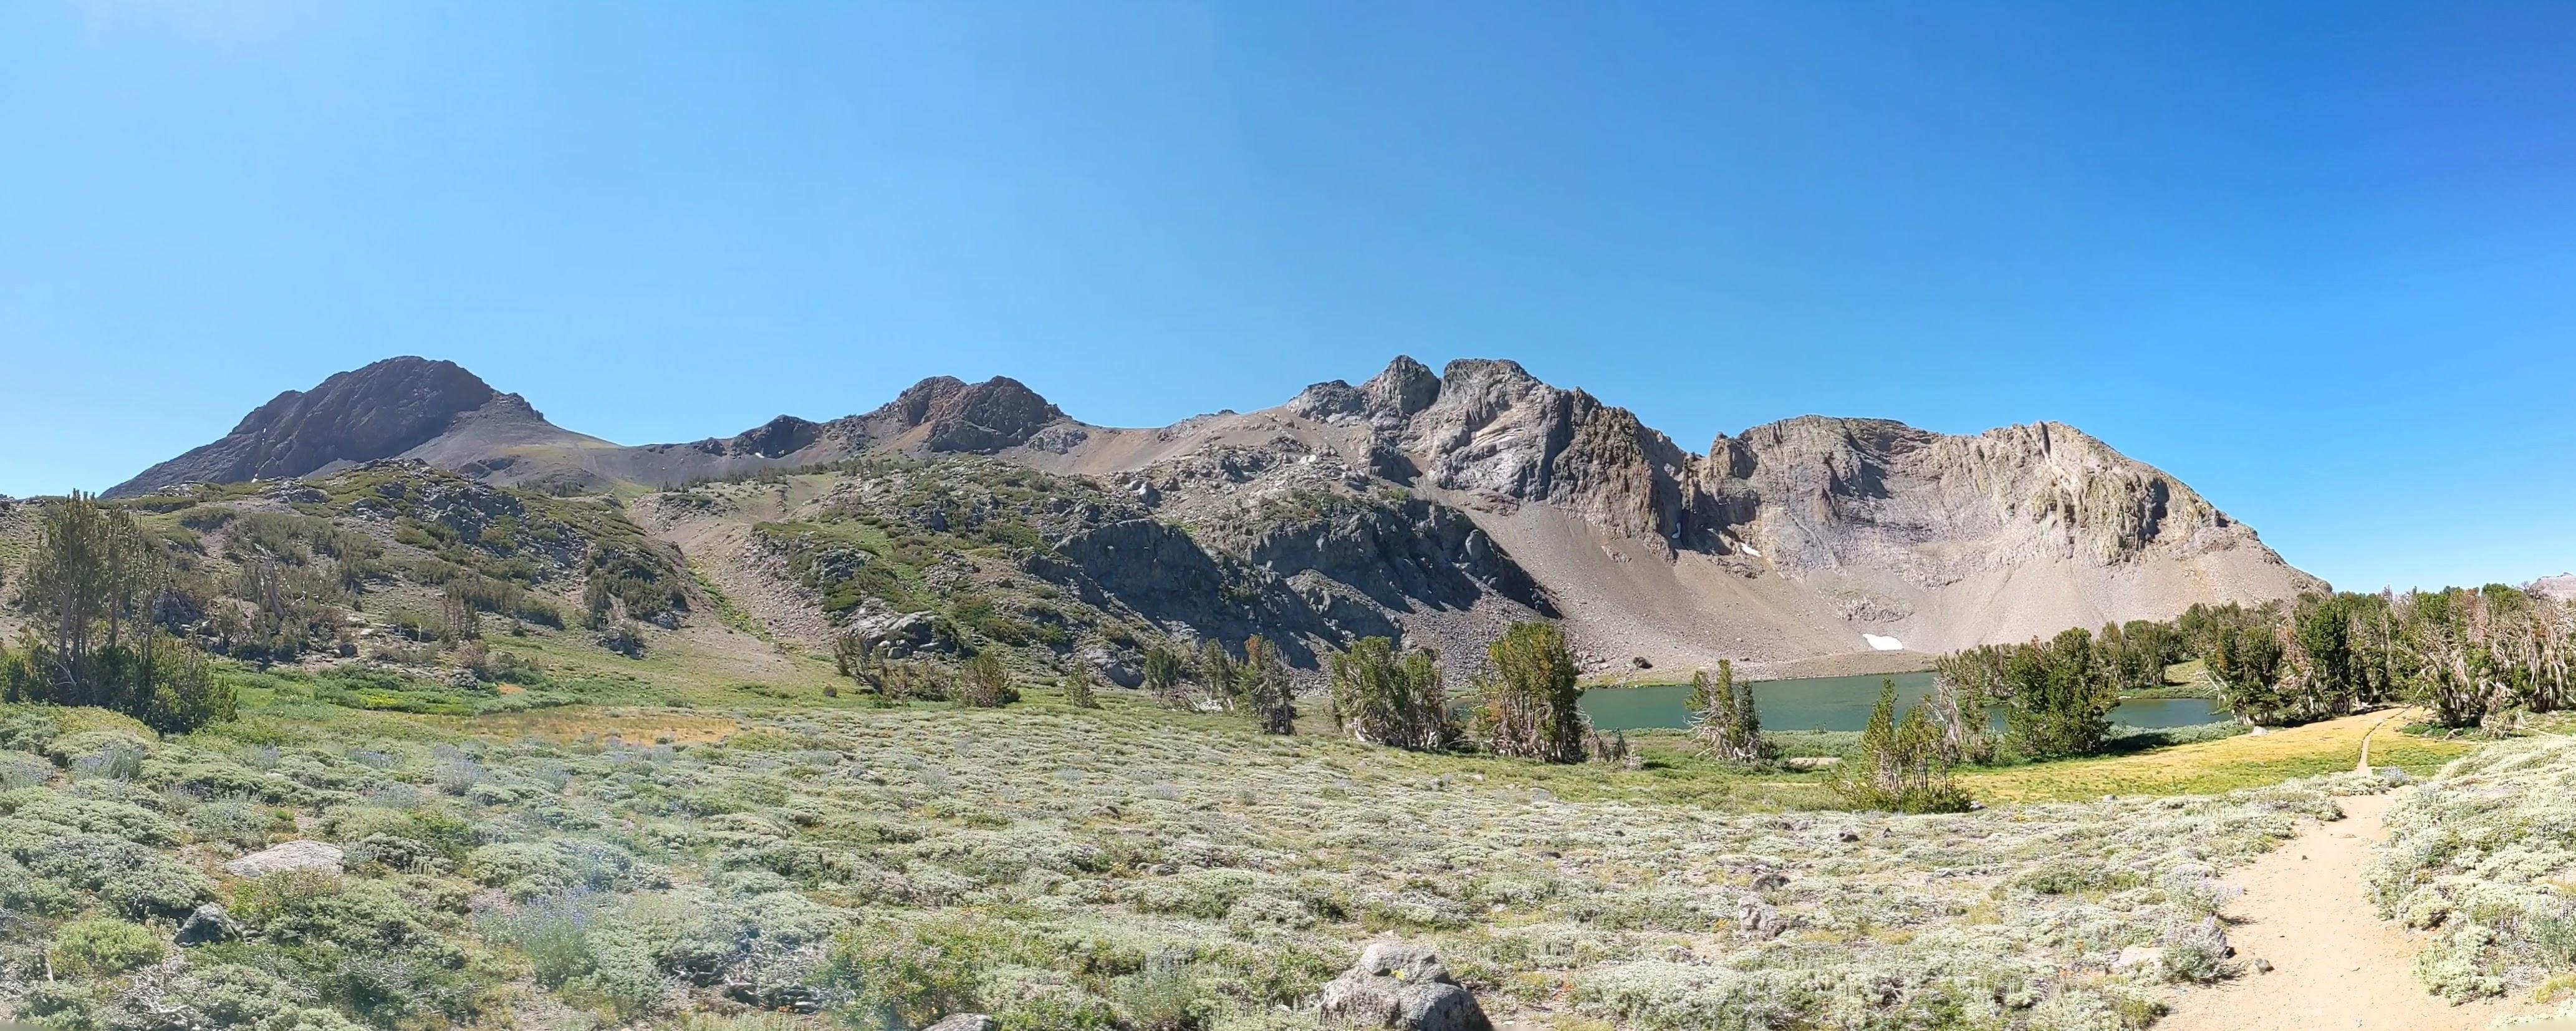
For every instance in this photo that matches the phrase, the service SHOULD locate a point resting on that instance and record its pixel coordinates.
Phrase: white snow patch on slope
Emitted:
(1885, 644)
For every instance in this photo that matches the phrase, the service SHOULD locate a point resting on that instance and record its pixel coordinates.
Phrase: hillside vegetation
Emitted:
(2482, 859)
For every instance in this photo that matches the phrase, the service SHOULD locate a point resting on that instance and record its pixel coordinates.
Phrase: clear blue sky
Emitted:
(2318, 260)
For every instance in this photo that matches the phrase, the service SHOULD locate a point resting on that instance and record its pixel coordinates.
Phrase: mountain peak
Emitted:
(1404, 387)
(380, 410)
(944, 413)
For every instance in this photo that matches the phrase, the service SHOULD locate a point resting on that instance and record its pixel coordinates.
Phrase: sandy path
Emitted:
(2336, 964)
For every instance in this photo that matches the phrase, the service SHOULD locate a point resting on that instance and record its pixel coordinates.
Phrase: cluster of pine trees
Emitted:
(96, 635)
(1526, 707)
(1257, 683)
(2467, 655)
(1903, 765)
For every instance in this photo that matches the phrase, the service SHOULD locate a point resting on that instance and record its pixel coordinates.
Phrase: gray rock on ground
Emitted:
(963, 1022)
(2138, 957)
(207, 925)
(293, 855)
(1757, 919)
(1401, 986)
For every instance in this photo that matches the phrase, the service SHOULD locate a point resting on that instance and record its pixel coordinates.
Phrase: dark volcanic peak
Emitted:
(776, 438)
(379, 411)
(944, 413)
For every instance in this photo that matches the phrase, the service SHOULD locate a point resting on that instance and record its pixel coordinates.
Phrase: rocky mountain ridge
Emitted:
(1794, 541)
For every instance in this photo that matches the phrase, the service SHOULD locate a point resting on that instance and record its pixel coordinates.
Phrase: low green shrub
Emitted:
(103, 947)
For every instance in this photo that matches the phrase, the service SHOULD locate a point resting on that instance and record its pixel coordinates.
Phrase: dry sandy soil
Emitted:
(2335, 963)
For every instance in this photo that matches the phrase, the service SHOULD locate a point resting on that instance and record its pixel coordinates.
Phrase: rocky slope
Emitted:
(1804, 539)
(1433, 505)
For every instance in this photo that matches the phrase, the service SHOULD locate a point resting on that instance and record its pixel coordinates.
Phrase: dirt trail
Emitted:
(2335, 963)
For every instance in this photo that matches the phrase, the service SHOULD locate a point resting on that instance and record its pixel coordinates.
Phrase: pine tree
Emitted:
(1723, 719)
(2060, 697)
(1965, 686)
(1267, 690)
(1383, 698)
(1163, 677)
(89, 643)
(1079, 689)
(1218, 674)
(986, 684)
(2246, 659)
(1900, 766)
(1532, 701)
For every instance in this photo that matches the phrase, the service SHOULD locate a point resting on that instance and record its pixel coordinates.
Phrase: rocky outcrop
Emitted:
(379, 411)
(208, 924)
(1401, 986)
(776, 438)
(1399, 555)
(1493, 428)
(1163, 574)
(1490, 428)
(1387, 400)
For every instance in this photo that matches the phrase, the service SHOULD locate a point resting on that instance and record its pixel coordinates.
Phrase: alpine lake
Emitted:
(1841, 703)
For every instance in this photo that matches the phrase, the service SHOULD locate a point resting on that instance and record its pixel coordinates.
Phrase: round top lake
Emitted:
(1838, 703)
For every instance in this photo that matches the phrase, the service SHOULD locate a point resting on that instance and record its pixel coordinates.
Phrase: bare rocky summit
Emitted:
(1435, 506)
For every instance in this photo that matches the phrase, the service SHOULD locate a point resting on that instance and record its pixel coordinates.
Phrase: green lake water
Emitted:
(1838, 703)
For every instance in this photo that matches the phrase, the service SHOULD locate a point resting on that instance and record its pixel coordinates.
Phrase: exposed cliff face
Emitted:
(1822, 493)
(381, 411)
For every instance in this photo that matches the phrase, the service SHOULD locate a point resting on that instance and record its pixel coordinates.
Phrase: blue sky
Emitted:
(2318, 260)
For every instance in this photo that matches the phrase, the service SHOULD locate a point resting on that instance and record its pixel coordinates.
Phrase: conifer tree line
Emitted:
(1526, 705)
(2466, 655)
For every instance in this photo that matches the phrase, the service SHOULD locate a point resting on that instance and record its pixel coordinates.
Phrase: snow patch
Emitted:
(1885, 644)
